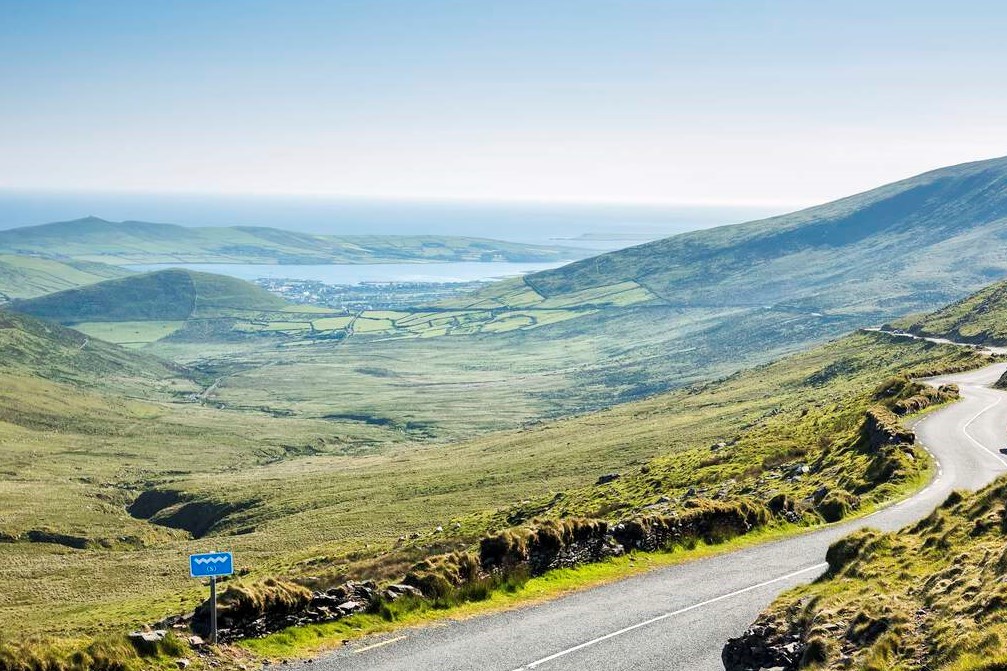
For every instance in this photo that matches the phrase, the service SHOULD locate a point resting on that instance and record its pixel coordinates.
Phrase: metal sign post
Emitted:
(210, 566)
(212, 610)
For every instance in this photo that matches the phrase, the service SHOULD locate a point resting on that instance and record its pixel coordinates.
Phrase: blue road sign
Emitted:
(211, 564)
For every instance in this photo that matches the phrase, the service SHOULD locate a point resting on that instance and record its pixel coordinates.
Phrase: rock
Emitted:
(439, 530)
(664, 499)
(147, 636)
(403, 590)
(608, 477)
(196, 641)
(182, 663)
(765, 648)
(348, 607)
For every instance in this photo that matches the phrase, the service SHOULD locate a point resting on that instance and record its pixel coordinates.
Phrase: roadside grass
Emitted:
(928, 596)
(333, 497)
(304, 641)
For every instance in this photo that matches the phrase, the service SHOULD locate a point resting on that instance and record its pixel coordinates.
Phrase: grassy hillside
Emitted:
(166, 295)
(616, 327)
(980, 318)
(918, 242)
(307, 497)
(38, 349)
(651, 318)
(30, 276)
(928, 597)
(128, 242)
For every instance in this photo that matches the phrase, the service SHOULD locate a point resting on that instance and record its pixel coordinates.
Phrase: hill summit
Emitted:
(172, 294)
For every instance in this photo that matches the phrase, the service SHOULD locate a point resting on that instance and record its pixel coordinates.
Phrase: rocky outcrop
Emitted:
(254, 611)
(555, 544)
(765, 646)
(882, 427)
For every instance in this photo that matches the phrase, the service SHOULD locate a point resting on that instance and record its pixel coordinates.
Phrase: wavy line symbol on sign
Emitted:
(219, 559)
(211, 564)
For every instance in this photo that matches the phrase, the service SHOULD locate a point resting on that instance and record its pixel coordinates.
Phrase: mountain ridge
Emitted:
(137, 242)
(929, 210)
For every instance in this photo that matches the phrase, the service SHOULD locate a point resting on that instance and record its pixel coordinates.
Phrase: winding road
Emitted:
(680, 617)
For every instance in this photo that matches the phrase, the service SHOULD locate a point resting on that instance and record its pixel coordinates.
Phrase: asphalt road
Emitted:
(680, 617)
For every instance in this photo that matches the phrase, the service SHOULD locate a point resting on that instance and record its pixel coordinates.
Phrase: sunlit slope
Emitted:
(909, 245)
(30, 276)
(164, 295)
(980, 318)
(930, 596)
(94, 239)
(282, 490)
(31, 347)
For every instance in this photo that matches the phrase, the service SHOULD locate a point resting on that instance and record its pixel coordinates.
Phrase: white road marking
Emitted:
(587, 644)
(965, 428)
(378, 645)
(563, 653)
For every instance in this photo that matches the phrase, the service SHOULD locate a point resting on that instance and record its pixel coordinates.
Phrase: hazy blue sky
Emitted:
(623, 100)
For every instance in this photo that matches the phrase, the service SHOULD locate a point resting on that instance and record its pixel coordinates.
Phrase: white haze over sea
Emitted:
(589, 225)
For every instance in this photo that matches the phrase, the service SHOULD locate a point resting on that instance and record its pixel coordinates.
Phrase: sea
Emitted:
(595, 227)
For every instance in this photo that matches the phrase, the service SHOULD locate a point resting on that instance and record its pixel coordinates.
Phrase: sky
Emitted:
(708, 102)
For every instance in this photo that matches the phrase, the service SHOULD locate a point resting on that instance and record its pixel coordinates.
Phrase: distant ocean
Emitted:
(600, 227)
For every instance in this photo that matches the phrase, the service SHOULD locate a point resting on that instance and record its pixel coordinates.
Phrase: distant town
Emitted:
(367, 295)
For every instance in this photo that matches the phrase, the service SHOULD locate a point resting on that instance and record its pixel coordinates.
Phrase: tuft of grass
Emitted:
(927, 597)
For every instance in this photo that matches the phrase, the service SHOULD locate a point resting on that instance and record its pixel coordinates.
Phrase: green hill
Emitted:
(706, 303)
(917, 243)
(980, 318)
(30, 276)
(138, 242)
(40, 349)
(166, 295)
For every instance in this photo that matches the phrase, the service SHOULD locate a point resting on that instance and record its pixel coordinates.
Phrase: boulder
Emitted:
(404, 590)
(348, 607)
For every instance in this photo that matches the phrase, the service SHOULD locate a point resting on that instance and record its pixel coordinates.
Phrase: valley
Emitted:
(718, 377)
(534, 336)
